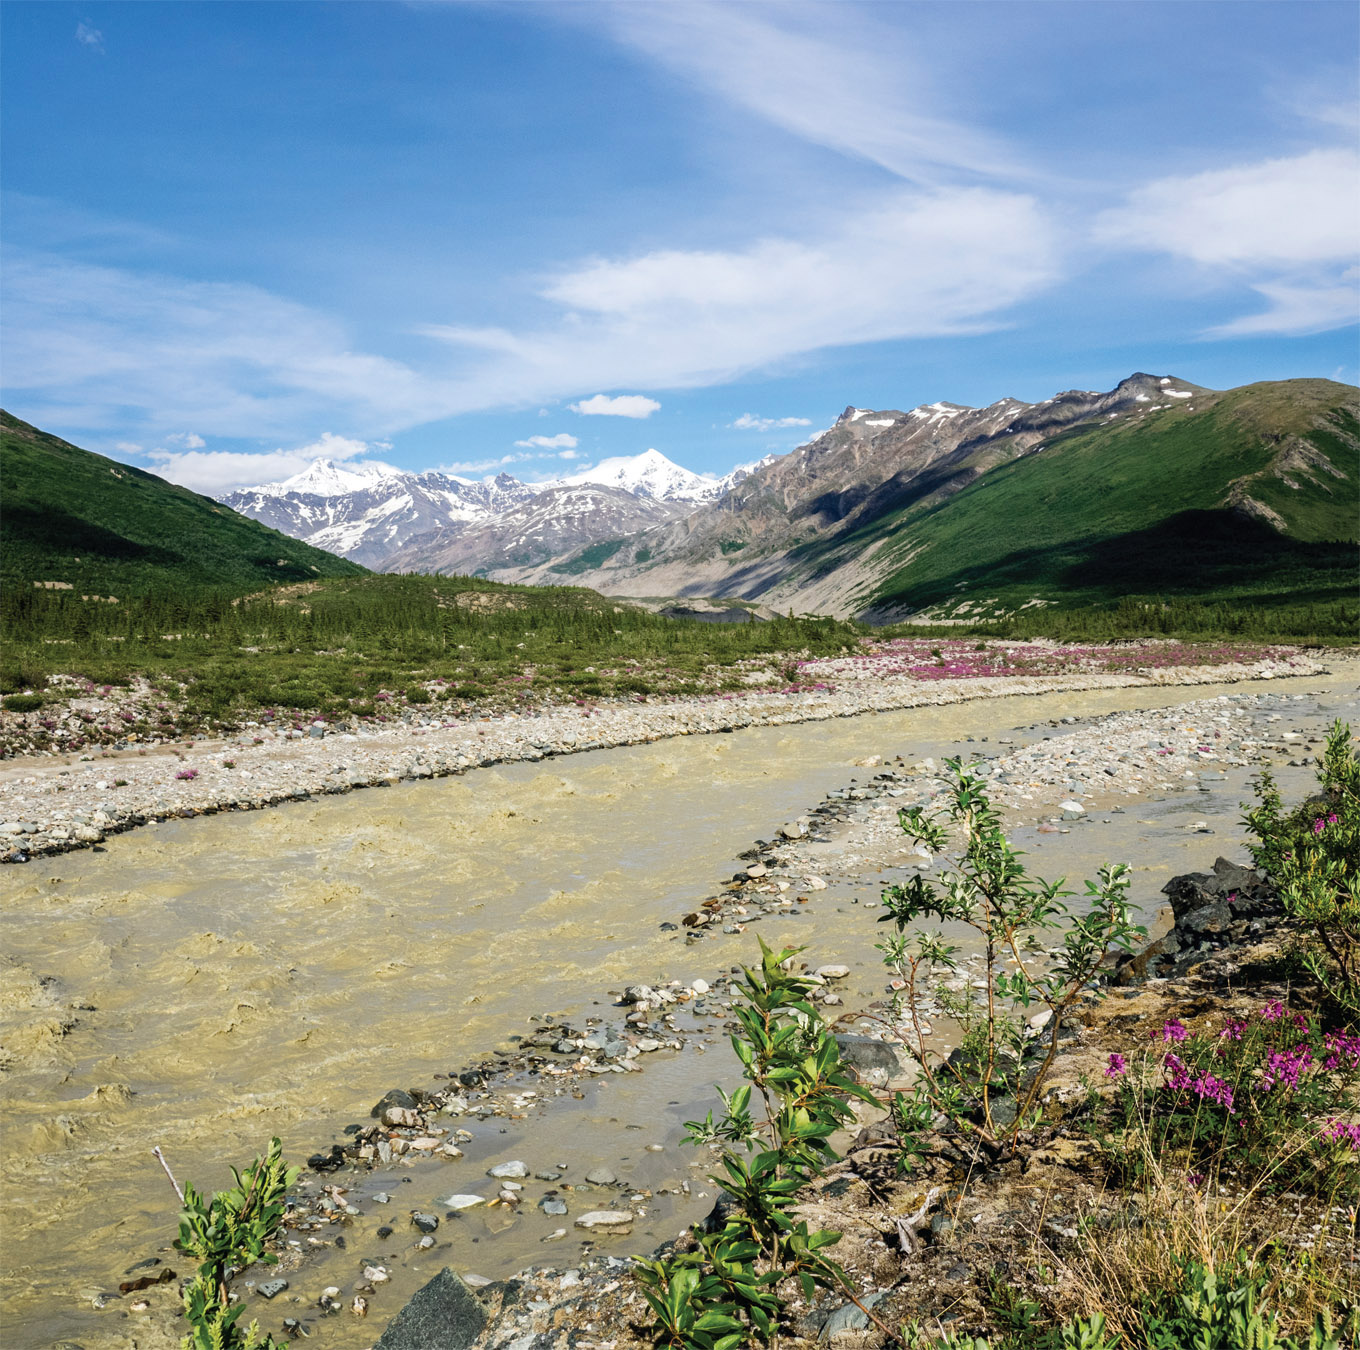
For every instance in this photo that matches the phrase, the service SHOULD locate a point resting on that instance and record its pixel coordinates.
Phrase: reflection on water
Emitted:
(204, 984)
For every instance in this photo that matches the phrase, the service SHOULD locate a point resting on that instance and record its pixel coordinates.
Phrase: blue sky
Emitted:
(238, 236)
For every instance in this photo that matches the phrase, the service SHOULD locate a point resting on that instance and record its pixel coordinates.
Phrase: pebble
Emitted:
(601, 1176)
(610, 1220)
(463, 1201)
(514, 1170)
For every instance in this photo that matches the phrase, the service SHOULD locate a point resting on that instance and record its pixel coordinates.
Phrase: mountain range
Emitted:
(392, 520)
(1156, 487)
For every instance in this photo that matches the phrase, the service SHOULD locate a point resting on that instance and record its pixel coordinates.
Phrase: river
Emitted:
(204, 984)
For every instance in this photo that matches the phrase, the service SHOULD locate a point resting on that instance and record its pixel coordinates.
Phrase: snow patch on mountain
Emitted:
(649, 474)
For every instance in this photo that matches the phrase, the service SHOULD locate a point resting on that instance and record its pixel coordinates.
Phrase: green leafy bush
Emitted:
(1206, 1308)
(727, 1292)
(988, 1088)
(1313, 855)
(226, 1233)
(22, 703)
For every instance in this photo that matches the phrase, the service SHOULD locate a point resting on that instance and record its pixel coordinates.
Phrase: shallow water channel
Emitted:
(201, 985)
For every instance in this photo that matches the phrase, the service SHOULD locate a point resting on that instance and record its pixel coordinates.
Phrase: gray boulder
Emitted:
(442, 1315)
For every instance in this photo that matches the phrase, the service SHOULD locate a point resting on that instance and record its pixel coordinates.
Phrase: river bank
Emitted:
(847, 843)
(55, 803)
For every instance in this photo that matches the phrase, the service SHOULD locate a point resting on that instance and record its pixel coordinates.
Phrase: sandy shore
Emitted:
(51, 804)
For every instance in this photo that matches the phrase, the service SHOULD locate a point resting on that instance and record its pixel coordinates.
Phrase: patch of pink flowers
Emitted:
(1117, 1066)
(187, 773)
(1342, 1132)
(1203, 1085)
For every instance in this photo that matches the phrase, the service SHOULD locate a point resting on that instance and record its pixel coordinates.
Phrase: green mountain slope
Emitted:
(1250, 495)
(103, 528)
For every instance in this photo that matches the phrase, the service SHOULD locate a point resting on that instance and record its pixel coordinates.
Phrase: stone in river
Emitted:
(394, 1098)
(271, 1288)
(443, 1315)
(832, 972)
(462, 1201)
(1073, 807)
(607, 1220)
(551, 1205)
(601, 1176)
(513, 1170)
(427, 1223)
(793, 830)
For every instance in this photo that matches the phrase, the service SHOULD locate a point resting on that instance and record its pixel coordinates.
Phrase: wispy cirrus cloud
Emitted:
(1286, 226)
(833, 75)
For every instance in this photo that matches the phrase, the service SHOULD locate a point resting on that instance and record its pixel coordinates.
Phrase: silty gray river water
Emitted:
(202, 985)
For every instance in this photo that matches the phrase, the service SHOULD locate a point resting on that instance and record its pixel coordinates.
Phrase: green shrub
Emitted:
(226, 1233)
(988, 1088)
(417, 694)
(23, 703)
(727, 1292)
(1313, 855)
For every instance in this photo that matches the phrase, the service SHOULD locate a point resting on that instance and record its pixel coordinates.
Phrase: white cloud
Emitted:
(625, 405)
(750, 422)
(550, 442)
(1299, 308)
(834, 75)
(187, 439)
(1288, 227)
(227, 357)
(217, 472)
(1277, 212)
(91, 37)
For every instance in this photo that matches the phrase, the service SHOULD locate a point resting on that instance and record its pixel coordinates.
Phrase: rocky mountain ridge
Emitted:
(890, 513)
(395, 520)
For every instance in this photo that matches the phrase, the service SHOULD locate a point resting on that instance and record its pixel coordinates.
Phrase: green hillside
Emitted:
(1252, 497)
(104, 528)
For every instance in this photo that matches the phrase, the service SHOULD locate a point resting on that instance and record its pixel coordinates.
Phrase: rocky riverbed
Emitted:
(1060, 776)
(56, 802)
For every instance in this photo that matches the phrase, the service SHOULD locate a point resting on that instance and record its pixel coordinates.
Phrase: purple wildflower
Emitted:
(1173, 1032)
(1342, 1132)
(1273, 1011)
(1116, 1067)
(1285, 1066)
(187, 773)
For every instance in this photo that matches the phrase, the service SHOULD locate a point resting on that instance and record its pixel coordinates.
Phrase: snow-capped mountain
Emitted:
(557, 520)
(368, 510)
(649, 474)
(384, 517)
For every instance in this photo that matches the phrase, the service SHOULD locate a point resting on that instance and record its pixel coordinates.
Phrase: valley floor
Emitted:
(53, 803)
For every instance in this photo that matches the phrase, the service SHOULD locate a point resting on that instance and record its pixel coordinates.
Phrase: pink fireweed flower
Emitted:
(1342, 1132)
(1344, 1047)
(1273, 1011)
(1116, 1067)
(1205, 1086)
(1232, 1032)
(187, 773)
(1285, 1066)
(1172, 1032)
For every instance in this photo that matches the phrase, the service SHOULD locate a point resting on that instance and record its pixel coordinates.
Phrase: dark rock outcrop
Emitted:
(442, 1315)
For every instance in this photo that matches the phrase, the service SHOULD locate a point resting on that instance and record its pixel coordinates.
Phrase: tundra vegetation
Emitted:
(1230, 1150)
